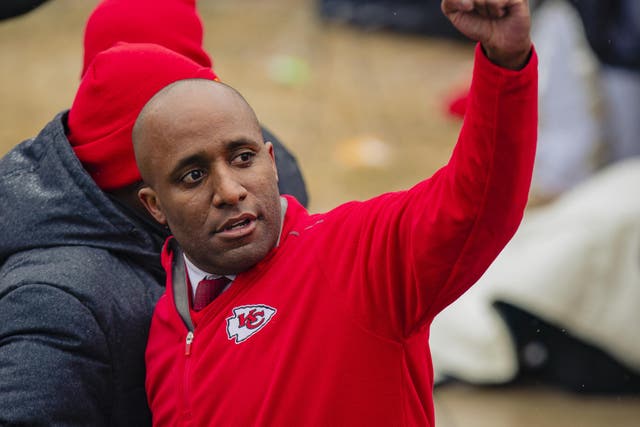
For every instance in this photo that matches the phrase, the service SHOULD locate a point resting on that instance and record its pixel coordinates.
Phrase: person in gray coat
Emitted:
(79, 278)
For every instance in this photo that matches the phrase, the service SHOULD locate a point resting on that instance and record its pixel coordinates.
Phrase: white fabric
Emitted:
(574, 263)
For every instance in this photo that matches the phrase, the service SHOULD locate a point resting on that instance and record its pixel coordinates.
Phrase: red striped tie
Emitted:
(208, 290)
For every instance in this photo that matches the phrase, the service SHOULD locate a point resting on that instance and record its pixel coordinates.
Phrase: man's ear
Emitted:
(150, 201)
(272, 154)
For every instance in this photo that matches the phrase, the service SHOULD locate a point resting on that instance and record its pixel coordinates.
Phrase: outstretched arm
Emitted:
(426, 246)
(482, 193)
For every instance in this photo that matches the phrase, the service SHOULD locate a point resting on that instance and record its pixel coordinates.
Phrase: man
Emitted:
(79, 255)
(320, 319)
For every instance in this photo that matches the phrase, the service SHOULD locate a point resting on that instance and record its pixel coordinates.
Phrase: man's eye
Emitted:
(243, 159)
(192, 176)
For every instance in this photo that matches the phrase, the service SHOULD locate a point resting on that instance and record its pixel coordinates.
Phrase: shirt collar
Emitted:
(196, 274)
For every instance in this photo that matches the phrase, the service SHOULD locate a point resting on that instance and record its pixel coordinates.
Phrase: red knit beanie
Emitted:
(174, 24)
(115, 88)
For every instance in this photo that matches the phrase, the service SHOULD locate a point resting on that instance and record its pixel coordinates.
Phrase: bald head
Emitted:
(182, 110)
(209, 175)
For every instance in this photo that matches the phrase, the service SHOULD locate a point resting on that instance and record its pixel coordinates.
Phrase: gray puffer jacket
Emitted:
(79, 277)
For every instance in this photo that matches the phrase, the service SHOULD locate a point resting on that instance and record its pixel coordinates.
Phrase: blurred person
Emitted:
(589, 91)
(613, 31)
(557, 304)
(571, 144)
(79, 258)
(570, 136)
(321, 318)
(560, 305)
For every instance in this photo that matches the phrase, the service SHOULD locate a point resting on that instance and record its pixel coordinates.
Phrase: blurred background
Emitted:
(369, 96)
(362, 111)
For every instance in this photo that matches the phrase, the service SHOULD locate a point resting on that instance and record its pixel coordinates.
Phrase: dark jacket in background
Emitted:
(613, 30)
(422, 17)
(13, 8)
(290, 179)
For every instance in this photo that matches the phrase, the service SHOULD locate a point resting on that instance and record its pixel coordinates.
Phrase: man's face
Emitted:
(211, 178)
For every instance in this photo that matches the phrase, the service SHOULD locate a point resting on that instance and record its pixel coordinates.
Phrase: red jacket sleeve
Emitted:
(412, 253)
(478, 199)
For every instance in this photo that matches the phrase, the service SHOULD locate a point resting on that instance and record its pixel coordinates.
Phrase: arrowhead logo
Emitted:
(247, 320)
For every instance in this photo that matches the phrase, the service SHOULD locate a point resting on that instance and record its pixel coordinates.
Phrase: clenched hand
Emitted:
(501, 26)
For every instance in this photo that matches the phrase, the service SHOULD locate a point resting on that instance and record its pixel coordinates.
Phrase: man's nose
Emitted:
(228, 190)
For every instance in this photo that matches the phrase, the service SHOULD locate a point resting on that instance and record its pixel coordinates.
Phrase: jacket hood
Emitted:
(48, 200)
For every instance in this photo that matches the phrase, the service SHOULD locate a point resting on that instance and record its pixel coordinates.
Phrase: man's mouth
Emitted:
(237, 227)
(239, 224)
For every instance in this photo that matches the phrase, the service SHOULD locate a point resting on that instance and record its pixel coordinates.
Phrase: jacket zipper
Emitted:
(188, 341)
(181, 300)
(187, 370)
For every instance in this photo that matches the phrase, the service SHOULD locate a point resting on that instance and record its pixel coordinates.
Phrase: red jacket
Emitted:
(331, 328)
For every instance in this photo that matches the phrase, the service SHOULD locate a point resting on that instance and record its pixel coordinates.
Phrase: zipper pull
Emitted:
(189, 340)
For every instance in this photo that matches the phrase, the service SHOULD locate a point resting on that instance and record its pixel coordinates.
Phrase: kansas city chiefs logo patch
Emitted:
(247, 320)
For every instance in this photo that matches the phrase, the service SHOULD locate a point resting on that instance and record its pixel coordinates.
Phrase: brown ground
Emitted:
(363, 112)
